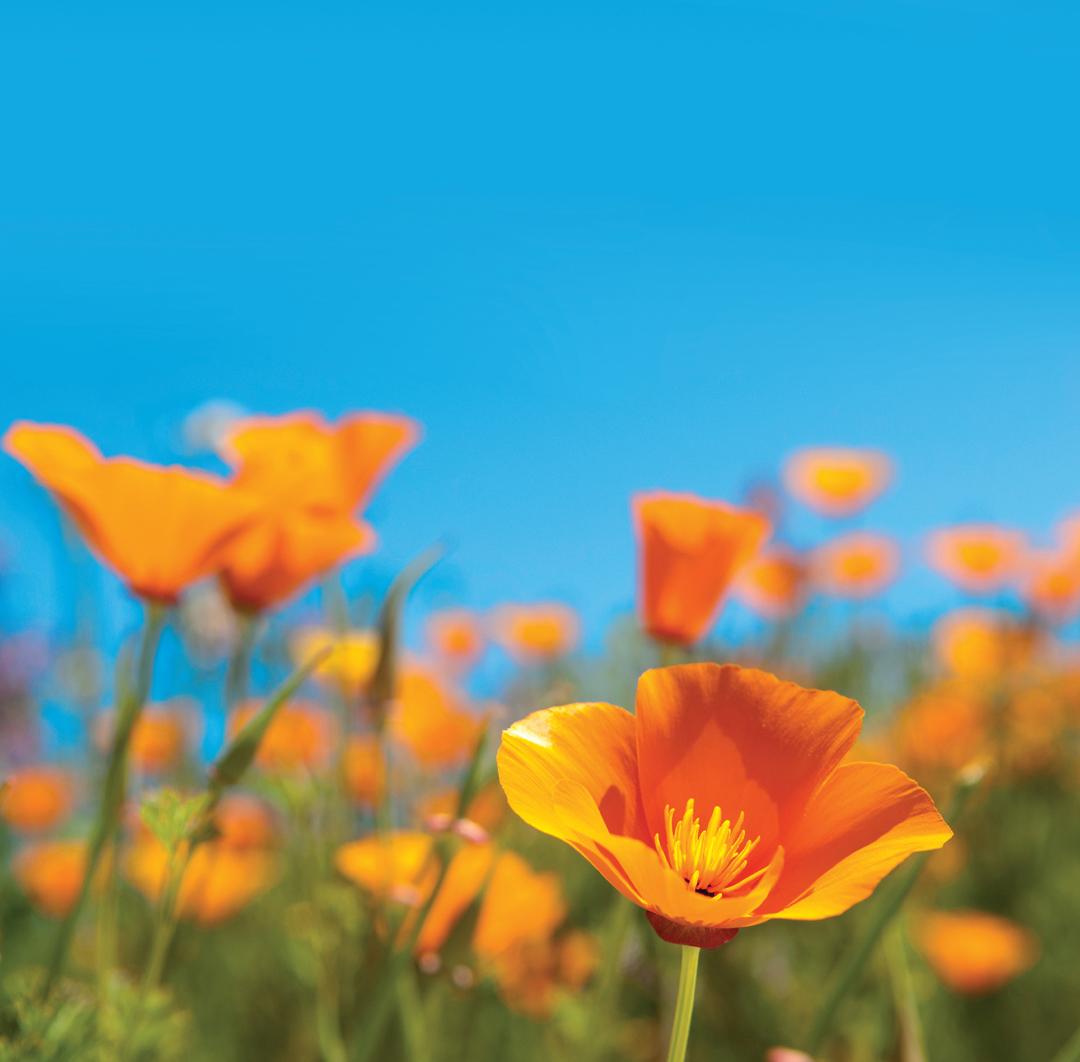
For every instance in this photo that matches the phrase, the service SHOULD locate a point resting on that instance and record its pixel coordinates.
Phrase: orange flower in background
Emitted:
(980, 644)
(220, 879)
(1050, 583)
(402, 867)
(160, 737)
(978, 558)
(857, 565)
(535, 633)
(773, 584)
(244, 821)
(689, 552)
(51, 874)
(974, 952)
(332, 467)
(487, 808)
(429, 721)
(456, 637)
(837, 482)
(528, 963)
(351, 664)
(944, 729)
(722, 802)
(365, 771)
(300, 737)
(37, 798)
(160, 529)
(309, 477)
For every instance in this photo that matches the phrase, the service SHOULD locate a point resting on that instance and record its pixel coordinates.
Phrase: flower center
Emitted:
(711, 860)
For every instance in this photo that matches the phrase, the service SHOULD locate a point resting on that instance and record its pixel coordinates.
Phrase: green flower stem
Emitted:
(239, 671)
(886, 911)
(684, 1004)
(114, 787)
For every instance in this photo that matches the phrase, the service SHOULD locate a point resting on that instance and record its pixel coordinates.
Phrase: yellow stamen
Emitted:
(710, 860)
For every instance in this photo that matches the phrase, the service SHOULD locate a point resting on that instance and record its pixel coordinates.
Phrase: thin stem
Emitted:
(907, 1008)
(684, 1004)
(114, 786)
(236, 678)
(886, 911)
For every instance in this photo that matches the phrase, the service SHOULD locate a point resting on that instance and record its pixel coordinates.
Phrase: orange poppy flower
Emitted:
(160, 737)
(402, 867)
(456, 637)
(1050, 582)
(722, 802)
(689, 552)
(943, 730)
(857, 565)
(979, 558)
(974, 952)
(351, 664)
(837, 482)
(365, 771)
(980, 644)
(301, 736)
(160, 529)
(330, 467)
(220, 879)
(535, 633)
(51, 874)
(773, 583)
(37, 798)
(429, 721)
(244, 821)
(309, 478)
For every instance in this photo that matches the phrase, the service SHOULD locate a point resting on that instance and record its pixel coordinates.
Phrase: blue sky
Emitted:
(595, 248)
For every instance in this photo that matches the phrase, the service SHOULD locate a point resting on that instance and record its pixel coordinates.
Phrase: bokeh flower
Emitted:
(161, 736)
(429, 719)
(365, 769)
(456, 638)
(37, 798)
(160, 529)
(855, 566)
(354, 655)
(51, 874)
(722, 802)
(974, 952)
(981, 644)
(689, 552)
(836, 481)
(300, 737)
(1050, 585)
(309, 478)
(773, 584)
(978, 558)
(534, 634)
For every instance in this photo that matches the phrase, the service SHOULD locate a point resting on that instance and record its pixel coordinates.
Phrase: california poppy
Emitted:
(974, 952)
(159, 528)
(51, 874)
(219, 879)
(456, 637)
(722, 802)
(689, 552)
(856, 565)
(365, 769)
(309, 478)
(1050, 584)
(300, 737)
(429, 719)
(402, 866)
(160, 736)
(979, 558)
(535, 633)
(837, 482)
(773, 583)
(37, 798)
(352, 661)
(943, 729)
(981, 644)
